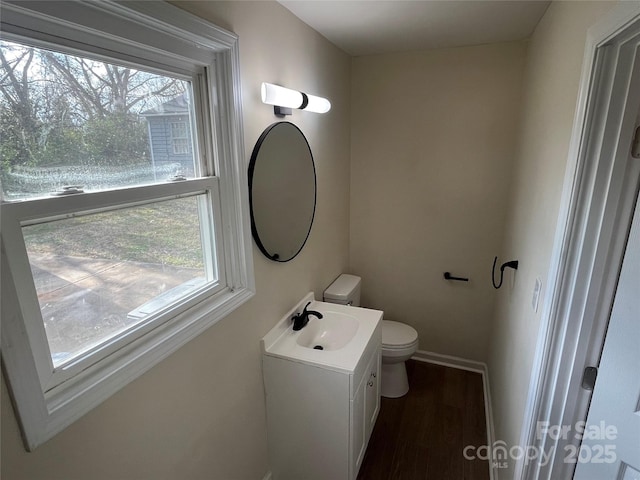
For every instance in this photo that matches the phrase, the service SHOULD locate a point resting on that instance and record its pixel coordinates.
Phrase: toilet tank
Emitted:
(345, 290)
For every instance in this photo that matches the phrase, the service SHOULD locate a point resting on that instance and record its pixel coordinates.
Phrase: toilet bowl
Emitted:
(399, 341)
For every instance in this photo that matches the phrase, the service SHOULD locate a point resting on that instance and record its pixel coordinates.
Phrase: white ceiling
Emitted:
(365, 27)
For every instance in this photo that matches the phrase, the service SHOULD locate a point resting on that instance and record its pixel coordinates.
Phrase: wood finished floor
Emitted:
(422, 435)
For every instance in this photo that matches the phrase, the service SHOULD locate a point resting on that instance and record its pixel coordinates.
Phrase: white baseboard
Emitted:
(473, 366)
(450, 361)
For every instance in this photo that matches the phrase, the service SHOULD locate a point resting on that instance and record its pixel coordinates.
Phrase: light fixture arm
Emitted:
(281, 111)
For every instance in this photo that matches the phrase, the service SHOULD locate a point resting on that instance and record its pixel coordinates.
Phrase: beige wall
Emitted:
(200, 413)
(551, 84)
(432, 146)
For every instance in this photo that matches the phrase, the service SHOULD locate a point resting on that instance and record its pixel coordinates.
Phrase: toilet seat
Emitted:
(398, 336)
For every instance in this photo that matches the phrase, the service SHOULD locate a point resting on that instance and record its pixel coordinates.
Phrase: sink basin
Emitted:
(336, 341)
(331, 332)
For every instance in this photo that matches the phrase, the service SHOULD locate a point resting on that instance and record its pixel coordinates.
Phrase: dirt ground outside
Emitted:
(86, 301)
(96, 275)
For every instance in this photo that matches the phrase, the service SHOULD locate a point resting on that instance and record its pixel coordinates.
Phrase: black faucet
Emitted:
(301, 319)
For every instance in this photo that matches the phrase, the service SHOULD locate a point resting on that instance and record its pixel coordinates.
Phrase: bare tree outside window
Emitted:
(68, 120)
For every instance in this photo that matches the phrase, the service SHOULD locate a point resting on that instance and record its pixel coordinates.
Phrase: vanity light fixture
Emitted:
(284, 100)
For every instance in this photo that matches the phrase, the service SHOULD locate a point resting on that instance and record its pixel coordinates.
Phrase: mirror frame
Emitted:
(252, 164)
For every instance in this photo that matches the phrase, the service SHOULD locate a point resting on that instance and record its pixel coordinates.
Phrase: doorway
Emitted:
(611, 438)
(597, 212)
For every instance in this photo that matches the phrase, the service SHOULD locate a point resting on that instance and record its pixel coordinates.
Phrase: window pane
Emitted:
(98, 275)
(73, 121)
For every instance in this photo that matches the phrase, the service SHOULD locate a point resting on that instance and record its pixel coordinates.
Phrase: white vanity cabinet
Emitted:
(365, 404)
(320, 417)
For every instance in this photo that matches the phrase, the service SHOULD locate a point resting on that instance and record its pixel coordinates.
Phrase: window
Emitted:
(113, 255)
(179, 138)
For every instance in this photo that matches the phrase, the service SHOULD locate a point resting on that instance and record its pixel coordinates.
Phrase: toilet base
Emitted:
(394, 379)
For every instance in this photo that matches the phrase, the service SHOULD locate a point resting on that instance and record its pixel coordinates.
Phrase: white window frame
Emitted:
(163, 37)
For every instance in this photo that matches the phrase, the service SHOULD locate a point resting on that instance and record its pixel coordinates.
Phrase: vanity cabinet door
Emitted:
(372, 395)
(364, 411)
(358, 427)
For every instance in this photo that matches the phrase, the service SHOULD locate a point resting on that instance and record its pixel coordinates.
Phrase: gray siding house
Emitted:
(170, 135)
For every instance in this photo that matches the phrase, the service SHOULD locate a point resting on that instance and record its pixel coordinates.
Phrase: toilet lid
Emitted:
(396, 334)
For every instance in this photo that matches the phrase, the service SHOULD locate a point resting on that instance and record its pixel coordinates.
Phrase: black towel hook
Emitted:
(512, 264)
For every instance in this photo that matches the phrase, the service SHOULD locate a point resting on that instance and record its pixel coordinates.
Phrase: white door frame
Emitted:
(599, 193)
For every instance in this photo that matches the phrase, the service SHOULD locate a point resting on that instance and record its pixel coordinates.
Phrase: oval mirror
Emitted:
(282, 191)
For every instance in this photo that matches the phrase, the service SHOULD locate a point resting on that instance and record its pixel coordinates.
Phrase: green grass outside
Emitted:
(162, 233)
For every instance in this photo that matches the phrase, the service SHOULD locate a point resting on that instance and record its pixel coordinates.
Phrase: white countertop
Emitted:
(282, 340)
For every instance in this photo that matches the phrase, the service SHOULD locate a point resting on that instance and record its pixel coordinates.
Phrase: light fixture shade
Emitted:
(285, 97)
(318, 104)
(280, 96)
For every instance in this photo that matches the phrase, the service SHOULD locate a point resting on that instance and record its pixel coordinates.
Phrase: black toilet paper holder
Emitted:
(448, 276)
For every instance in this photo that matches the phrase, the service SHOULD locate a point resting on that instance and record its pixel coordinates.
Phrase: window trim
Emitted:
(43, 412)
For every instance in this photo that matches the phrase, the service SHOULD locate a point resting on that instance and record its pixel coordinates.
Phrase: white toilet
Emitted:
(399, 341)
